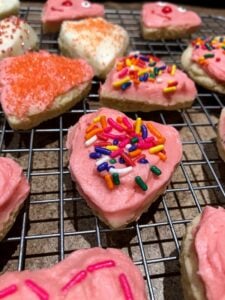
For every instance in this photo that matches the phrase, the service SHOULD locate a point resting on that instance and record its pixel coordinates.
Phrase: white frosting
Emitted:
(8, 7)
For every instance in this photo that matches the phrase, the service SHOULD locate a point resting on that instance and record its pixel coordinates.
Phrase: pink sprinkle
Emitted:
(123, 73)
(125, 287)
(107, 129)
(101, 265)
(150, 139)
(75, 280)
(145, 145)
(8, 291)
(123, 143)
(116, 153)
(115, 125)
(115, 136)
(127, 123)
(39, 291)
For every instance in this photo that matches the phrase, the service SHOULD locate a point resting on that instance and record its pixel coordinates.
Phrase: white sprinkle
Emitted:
(122, 171)
(159, 80)
(128, 146)
(91, 141)
(181, 9)
(161, 3)
(102, 160)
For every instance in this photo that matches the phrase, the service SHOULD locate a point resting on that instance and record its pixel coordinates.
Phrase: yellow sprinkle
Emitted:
(156, 149)
(173, 70)
(128, 62)
(112, 147)
(170, 89)
(138, 125)
(143, 71)
(120, 82)
(97, 119)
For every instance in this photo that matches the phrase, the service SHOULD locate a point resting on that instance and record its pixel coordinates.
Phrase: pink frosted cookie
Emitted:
(14, 189)
(204, 60)
(161, 20)
(96, 40)
(86, 274)
(38, 86)
(121, 166)
(221, 135)
(145, 83)
(203, 256)
(57, 11)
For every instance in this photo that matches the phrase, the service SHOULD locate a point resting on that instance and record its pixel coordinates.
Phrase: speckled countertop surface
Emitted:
(56, 220)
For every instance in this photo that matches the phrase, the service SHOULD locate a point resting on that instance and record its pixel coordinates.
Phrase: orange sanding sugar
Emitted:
(35, 79)
(92, 24)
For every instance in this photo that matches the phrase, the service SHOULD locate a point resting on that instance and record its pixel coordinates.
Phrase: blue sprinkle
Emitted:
(144, 58)
(121, 160)
(102, 167)
(143, 161)
(95, 155)
(144, 77)
(162, 67)
(115, 142)
(132, 148)
(144, 131)
(110, 167)
(125, 85)
(102, 150)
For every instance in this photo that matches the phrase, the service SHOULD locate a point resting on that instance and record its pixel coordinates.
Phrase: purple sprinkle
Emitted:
(143, 161)
(115, 142)
(95, 155)
(132, 148)
(121, 160)
(102, 167)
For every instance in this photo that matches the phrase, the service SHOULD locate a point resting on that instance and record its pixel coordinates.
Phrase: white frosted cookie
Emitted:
(204, 61)
(95, 40)
(202, 257)
(8, 8)
(161, 20)
(16, 37)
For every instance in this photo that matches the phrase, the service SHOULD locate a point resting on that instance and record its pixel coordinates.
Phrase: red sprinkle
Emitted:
(125, 287)
(75, 280)
(166, 9)
(101, 265)
(8, 291)
(128, 160)
(36, 289)
(67, 3)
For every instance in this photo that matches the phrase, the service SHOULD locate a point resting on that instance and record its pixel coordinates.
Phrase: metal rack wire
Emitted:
(56, 220)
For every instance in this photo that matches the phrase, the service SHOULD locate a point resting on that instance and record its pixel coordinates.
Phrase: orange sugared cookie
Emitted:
(38, 86)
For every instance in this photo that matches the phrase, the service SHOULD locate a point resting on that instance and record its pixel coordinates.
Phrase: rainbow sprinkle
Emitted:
(137, 68)
(126, 145)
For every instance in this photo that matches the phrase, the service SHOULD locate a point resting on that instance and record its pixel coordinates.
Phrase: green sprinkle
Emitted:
(112, 161)
(151, 75)
(155, 170)
(152, 64)
(134, 140)
(209, 55)
(156, 71)
(116, 178)
(141, 183)
(208, 46)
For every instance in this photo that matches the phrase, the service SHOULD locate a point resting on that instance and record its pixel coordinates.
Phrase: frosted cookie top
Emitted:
(209, 54)
(210, 248)
(31, 82)
(58, 10)
(162, 15)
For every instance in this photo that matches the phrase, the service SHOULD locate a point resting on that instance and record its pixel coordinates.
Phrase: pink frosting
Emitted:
(210, 249)
(14, 188)
(86, 274)
(161, 15)
(152, 92)
(215, 67)
(126, 201)
(60, 10)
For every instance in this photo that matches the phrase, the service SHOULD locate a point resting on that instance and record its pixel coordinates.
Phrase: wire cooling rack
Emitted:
(55, 219)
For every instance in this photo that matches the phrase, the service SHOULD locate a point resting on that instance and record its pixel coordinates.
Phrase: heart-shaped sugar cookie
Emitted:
(38, 86)
(94, 273)
(121, 166)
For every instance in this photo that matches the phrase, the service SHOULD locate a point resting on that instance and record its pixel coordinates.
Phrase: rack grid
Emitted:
(55, 219)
